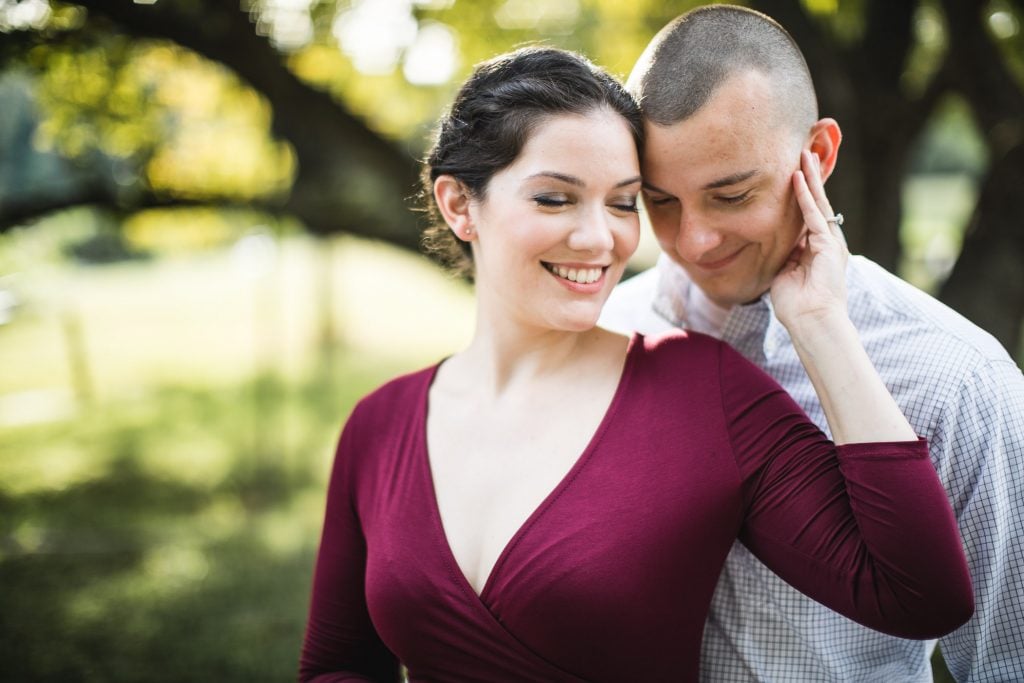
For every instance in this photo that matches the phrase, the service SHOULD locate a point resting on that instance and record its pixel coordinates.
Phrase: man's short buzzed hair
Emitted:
(695, 53)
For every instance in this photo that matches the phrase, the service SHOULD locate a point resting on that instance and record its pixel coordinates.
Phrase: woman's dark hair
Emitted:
(491, 119)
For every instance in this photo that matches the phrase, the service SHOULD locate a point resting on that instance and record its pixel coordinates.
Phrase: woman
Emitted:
(554, 503)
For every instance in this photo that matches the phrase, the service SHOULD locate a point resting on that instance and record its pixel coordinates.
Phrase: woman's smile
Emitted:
(578, 277)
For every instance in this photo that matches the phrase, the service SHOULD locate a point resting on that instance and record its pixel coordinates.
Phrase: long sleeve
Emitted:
(978, 447)
(863, 528)
(341, 643)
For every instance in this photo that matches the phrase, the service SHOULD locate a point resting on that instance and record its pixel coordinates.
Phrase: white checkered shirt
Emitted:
(960, 389)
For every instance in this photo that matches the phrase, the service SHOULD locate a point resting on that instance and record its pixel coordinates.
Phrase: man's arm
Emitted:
(979, 452)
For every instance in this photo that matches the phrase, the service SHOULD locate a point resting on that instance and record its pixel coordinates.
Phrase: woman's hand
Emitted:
(811, 287)
(809, 297)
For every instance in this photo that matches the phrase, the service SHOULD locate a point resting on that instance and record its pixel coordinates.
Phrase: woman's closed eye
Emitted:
(551, 201)
(627, 205)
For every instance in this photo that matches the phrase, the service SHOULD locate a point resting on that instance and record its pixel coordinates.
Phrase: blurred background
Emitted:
(207, 255)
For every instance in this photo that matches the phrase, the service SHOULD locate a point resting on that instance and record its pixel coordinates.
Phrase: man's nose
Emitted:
(696, 237)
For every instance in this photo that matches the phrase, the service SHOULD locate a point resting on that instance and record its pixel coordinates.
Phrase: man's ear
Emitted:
(824, 142)
(453, 202)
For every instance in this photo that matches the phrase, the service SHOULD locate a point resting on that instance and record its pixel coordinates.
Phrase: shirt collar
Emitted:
(752, 328)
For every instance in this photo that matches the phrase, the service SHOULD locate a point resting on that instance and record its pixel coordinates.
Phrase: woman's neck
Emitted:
(506, 354)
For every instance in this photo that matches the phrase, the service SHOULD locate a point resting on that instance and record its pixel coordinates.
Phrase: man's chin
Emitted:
(721, 290)
(727, 298)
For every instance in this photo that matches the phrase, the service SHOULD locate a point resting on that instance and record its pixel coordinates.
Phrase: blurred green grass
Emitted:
(183, 551)
(163, 527)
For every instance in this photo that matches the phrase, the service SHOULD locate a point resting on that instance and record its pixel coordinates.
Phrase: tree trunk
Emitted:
(987, 282)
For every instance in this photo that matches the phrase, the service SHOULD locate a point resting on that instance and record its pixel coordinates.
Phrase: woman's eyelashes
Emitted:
(557, 201)
(628, 205)
(551, 201)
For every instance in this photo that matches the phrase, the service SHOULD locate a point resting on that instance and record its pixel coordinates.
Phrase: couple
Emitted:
(563, 510)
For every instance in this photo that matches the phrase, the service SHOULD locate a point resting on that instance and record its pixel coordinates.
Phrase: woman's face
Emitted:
(556, 227)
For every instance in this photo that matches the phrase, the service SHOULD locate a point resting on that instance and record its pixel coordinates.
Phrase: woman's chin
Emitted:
(579, 322)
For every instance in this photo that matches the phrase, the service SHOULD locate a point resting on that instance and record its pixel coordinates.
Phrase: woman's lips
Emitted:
(584, 278)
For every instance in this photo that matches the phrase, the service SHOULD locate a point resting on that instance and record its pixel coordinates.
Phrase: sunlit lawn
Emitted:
(160, 525)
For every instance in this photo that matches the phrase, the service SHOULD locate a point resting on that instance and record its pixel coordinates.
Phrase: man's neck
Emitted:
(703, 314)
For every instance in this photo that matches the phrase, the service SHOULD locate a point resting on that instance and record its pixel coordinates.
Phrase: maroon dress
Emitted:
(610, 578)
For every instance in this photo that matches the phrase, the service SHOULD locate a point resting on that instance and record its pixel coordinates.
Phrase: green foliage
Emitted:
(929, 48)
(1004, 24)
(163, 117)
(173, 539)
(612, 33)
(167, 119)
(951, 143)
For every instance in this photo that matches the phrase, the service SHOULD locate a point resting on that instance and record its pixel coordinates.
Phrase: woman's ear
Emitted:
(453, 201)
(824, 142)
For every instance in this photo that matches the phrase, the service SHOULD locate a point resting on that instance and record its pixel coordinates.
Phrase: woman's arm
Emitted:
(809, 298)
(863, 528)
(341, 643)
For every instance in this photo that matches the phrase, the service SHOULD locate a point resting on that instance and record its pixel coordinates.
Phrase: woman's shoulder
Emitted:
(400, 396)
(675, 364)
(701, 355)
(679, 346)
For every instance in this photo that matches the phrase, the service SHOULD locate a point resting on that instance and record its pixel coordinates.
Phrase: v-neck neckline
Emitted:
(423, 453)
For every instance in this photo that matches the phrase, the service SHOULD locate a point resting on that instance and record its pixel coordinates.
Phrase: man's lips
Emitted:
(719, 263)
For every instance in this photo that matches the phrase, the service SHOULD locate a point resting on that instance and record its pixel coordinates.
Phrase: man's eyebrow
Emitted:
(573, 180)
(730, 180)
(650, 186)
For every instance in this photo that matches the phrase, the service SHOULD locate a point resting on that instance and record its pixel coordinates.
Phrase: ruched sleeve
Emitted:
(865, 529)
(341, 643)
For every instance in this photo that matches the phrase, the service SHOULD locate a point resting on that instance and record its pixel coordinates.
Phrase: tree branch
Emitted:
(349, 176)
(979, 71)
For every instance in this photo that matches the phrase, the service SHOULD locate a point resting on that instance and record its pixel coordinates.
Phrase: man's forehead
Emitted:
(672, 162)
(709, 154)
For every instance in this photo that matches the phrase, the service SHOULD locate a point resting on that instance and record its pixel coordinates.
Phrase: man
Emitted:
(729, 106)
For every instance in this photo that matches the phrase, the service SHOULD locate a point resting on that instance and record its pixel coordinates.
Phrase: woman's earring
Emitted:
(467, 232)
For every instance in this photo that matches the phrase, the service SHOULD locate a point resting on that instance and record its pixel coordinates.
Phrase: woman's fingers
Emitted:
(814, 219)
(812, 173)
(811, 170)
(811, 165)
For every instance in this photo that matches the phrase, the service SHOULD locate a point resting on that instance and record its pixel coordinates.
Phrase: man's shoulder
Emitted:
(890, 312)
(639, 288)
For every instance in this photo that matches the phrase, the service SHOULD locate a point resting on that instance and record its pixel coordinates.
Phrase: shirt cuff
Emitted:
(885, 450)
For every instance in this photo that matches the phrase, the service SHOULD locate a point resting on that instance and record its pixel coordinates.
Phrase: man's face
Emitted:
(718, 190)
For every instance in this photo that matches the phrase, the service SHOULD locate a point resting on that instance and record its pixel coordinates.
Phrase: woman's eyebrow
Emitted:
(571, 179)
(578, 182)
